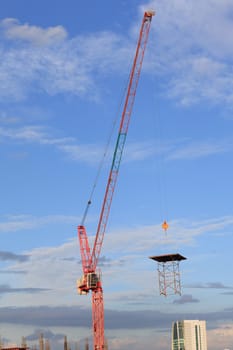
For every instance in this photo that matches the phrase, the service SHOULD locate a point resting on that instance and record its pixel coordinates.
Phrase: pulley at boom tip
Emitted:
(150, 13)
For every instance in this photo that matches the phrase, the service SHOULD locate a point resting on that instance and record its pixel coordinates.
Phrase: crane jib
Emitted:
(125, 119)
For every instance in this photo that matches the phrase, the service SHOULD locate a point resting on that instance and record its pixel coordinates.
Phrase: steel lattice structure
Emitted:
(169, 273)
(91, 279)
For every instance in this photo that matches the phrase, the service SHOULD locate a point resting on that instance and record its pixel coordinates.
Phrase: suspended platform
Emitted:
(169, 273)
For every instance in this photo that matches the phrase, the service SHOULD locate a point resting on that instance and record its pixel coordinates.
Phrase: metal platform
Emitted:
(169, 273)
(168, 257)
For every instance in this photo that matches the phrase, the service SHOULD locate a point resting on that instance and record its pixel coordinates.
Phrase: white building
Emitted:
(189, 335)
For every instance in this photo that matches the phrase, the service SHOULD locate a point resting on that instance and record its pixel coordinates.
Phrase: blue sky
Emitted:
(64, 68)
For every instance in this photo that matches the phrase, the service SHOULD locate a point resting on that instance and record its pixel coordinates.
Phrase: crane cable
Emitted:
(161, 175)
(106, 149)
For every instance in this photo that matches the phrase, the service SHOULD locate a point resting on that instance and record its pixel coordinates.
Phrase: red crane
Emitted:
(91, 279)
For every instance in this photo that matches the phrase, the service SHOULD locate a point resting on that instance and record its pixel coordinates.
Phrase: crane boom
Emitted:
(125, 118)
(90, 280)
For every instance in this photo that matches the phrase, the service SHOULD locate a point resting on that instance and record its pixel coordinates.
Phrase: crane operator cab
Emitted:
(87, 282)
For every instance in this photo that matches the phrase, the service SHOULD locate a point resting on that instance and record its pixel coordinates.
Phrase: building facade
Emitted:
(189, 335)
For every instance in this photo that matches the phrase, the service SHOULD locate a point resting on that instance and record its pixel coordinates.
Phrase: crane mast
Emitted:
(91, 279)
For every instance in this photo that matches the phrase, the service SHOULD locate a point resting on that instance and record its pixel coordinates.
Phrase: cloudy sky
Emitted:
(63, 73)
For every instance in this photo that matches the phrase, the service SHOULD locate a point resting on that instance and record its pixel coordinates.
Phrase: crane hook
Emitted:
(165, 226)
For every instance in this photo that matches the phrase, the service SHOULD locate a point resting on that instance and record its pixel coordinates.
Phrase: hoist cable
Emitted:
(161, 173)
(106, 149)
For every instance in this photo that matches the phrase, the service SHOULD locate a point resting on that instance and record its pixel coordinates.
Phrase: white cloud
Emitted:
(13, 30)
(92, 153)
(221, 337)
(194, 150)
(177, 149)
(199, 78)
(201, 25)
(88, 153)
(14, 223)
(183, 233)
(28, 70)
(32, 133)
(58, 267)
(71, 66)
(140, 151)
(194, 50)
(190, 45)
